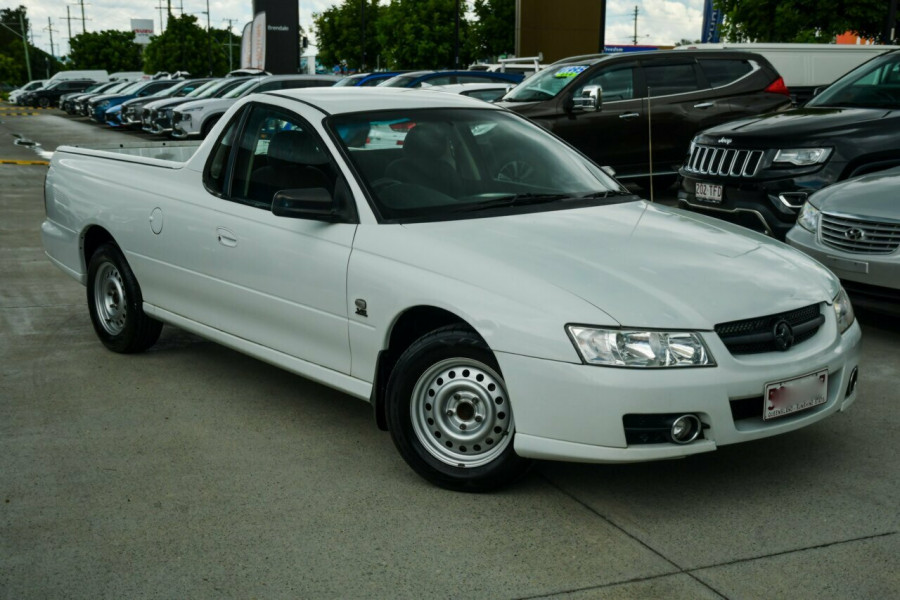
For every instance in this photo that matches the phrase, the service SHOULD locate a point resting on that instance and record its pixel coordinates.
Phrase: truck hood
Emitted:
(802, 124)
(642, 264)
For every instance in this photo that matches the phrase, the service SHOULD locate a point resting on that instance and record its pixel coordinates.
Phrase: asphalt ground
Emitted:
(192, 471)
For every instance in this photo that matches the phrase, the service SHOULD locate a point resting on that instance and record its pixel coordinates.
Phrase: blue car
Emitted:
(98, 106)
(415, 79)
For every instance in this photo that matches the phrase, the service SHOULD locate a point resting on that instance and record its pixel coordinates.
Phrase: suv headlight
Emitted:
(639, 349)
(809, 217)
(191, 109)
(104, 104)
(802, 157)
(843, 311)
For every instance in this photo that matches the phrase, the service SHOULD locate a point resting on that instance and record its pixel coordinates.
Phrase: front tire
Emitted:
(449, 413)
(115, 303)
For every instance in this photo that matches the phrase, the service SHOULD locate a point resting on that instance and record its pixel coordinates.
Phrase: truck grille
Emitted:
(753, 336)
(862, 236)
(709, 160)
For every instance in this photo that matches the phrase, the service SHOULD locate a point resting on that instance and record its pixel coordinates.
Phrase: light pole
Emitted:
(208, 40)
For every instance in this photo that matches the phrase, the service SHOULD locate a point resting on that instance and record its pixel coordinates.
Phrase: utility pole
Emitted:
(208, 40)
(634, 40)
(230, 40)
(362, 18)
(456, 35)
(49, 28)
(25, 43)
(83, 20)
(69, 20)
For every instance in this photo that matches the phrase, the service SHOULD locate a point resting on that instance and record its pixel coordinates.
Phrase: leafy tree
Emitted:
(185, 46)
(420, 34)
(339, 33)
(12, 50)
(111, 50)
(493, 33)
(806, 21)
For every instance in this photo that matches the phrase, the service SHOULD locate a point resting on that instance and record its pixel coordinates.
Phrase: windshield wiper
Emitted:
(512, 200)
(608, 194)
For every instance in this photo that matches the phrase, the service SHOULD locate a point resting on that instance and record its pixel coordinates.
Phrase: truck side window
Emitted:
(278, 151)
(215, 173)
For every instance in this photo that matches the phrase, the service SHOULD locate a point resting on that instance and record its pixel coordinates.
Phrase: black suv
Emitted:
(615, 107)
(49, 96)
(758, 172)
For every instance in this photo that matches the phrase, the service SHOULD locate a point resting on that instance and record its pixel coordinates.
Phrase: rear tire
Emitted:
(449, 413)
(115, 303)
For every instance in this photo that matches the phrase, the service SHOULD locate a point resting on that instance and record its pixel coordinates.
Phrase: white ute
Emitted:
(495, 295)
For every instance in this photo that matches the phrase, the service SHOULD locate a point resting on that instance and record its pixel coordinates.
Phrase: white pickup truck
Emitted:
(494, 294)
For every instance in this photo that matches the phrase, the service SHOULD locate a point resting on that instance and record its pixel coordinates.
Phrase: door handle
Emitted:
(226, 238)
(703, 105)
(629, 116)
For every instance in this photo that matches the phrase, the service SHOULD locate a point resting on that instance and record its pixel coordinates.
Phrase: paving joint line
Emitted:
(679, 568)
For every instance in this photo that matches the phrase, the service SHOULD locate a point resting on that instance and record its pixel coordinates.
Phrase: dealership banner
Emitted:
(247, 45)
(712, 17)
(258, 41)
(142, 30)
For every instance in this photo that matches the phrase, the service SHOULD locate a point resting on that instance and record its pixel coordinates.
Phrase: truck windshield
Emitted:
(438, 164)
(875, 84)
(546, 84)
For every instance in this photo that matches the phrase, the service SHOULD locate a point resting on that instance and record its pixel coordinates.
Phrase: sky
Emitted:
(659, 22)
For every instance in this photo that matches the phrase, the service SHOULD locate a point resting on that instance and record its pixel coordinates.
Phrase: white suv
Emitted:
(197, 118)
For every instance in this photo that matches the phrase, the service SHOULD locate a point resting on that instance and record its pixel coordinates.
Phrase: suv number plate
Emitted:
(708, 192)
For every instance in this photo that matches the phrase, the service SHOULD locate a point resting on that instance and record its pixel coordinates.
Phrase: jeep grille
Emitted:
(709, 160)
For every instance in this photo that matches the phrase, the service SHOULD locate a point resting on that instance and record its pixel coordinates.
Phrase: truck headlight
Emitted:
(643, 349)
(809, 217)
(843, 311)
(802, 157)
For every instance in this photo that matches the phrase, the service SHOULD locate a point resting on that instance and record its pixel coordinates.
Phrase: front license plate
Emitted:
(708, 192)
(793, 395)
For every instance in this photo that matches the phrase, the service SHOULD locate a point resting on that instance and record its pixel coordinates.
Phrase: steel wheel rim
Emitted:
(110, 298)
(461, 414)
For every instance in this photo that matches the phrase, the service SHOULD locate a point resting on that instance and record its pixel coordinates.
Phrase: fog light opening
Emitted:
(685, 429)
(851, 383)
(793, 200)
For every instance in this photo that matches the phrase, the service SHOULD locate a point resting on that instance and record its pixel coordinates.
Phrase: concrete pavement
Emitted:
(192, 471)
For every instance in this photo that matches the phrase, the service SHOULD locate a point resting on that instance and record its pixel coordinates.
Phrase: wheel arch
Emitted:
(92, 238)
(409, 326)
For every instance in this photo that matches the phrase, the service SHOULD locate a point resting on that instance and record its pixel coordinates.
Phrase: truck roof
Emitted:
(340, 100)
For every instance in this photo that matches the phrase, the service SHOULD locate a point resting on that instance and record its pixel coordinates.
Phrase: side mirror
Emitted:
(819, 90)
(590, 99)
(307, 203)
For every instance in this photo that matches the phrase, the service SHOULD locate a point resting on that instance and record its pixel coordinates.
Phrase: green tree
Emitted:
(185, 46)
(11, 46)
(111, 50)
(493, 33)
(339, 33)
(420, 34)
(806, 21)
